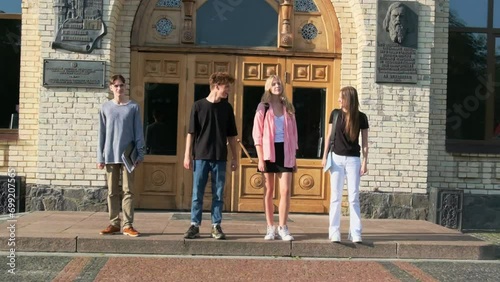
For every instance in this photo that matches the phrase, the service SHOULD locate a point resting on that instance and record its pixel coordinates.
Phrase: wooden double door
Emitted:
(167, 85)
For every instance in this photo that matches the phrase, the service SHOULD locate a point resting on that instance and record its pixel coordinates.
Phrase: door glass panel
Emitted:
(160, 118)
(251, 98)
(201, 91)
(310, 123)
(237, 23)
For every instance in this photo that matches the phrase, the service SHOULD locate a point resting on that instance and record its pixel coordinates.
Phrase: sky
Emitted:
(10, 6)
(473, 13)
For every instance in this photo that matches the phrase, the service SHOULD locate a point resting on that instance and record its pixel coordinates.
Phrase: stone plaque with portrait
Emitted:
(397, 42)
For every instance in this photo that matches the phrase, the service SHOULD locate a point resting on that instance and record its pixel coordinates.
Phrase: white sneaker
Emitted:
(271, 233)
(355, 239)
(284, 234)
(335, 237)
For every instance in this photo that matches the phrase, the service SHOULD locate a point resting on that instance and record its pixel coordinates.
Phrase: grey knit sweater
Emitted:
(118, 126)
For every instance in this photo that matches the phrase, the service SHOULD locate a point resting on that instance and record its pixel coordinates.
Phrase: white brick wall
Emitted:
(398, 113)
(58, 126)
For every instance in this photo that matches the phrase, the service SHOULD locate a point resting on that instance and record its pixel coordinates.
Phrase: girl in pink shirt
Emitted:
(275, 138)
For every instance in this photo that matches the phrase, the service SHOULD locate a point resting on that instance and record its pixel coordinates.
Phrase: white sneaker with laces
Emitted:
(284, 234)
(271, 233)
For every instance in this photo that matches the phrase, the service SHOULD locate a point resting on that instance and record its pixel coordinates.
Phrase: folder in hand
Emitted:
(129, 157)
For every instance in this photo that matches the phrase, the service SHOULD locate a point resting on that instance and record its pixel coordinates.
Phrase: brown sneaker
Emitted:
(130, 231)
(110, 230)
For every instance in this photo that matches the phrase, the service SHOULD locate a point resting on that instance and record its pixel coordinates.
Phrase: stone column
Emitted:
(286, 37)
(187, 29)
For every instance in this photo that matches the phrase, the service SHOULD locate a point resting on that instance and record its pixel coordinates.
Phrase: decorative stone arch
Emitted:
(184, 17)
(121, 18)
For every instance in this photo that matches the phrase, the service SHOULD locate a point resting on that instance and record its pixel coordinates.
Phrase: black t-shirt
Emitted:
(211, 124)
(342, 145)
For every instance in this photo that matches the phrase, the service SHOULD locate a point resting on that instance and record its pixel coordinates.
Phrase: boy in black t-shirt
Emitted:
(211, 126)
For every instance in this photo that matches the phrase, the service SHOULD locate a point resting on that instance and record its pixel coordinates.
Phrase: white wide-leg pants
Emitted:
(341, 167)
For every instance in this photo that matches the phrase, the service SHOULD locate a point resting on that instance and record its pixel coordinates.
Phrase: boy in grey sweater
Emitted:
(119, 126)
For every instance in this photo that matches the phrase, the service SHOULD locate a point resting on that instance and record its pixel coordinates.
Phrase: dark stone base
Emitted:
(393, 205)
(49, 198)
(481, 212)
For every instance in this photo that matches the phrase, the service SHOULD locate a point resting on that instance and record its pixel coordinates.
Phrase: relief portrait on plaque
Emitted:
(79, 25)
(397, 42)
(400, 23)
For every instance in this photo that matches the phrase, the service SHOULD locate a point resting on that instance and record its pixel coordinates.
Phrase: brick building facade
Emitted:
(55, 148)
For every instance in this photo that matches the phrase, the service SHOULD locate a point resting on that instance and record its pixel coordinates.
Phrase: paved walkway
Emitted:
(97, 267)
(162, 233)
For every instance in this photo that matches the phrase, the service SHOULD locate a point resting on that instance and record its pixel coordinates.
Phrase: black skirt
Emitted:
(279, 165)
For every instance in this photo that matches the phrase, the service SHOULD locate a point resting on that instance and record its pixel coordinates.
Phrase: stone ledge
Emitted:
(63, 244)
(446, 250)
(345, 250)
(243, 247)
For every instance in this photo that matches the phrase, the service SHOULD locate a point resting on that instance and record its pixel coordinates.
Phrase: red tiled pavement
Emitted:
(202, 269)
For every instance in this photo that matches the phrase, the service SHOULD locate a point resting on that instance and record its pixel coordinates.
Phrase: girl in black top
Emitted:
(341, 158)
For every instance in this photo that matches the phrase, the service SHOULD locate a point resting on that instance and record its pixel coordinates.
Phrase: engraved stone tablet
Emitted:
(67, 73)
(397, 41)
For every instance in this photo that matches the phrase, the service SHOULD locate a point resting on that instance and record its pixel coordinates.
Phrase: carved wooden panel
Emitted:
(270, 69)
(310, 72)
(319, 73)
(202, 69)
(163, 68)
(251, 191)
(152, 67)
(251, 71)
(171, 68)
(260, 71)
(307, 184)
(160, 178)
(301, 72)
(221, 66)
(253, 183)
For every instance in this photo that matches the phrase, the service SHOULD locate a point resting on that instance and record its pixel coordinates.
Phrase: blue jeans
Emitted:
(201, 169)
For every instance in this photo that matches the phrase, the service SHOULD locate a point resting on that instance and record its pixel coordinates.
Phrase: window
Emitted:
(10, 54)
(10, 6)
(233, 23)
(473, 90)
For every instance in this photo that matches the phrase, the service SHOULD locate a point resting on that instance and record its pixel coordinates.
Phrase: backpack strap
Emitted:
(266, 106)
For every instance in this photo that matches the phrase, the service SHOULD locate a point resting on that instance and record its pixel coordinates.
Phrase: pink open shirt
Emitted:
(263, 135)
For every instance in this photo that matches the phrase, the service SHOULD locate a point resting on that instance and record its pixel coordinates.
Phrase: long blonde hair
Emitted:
(266, 97)
(351, 104)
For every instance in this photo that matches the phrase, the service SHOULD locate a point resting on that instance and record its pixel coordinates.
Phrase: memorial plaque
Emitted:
(68, 73)
(79, 25)
(397, 41)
